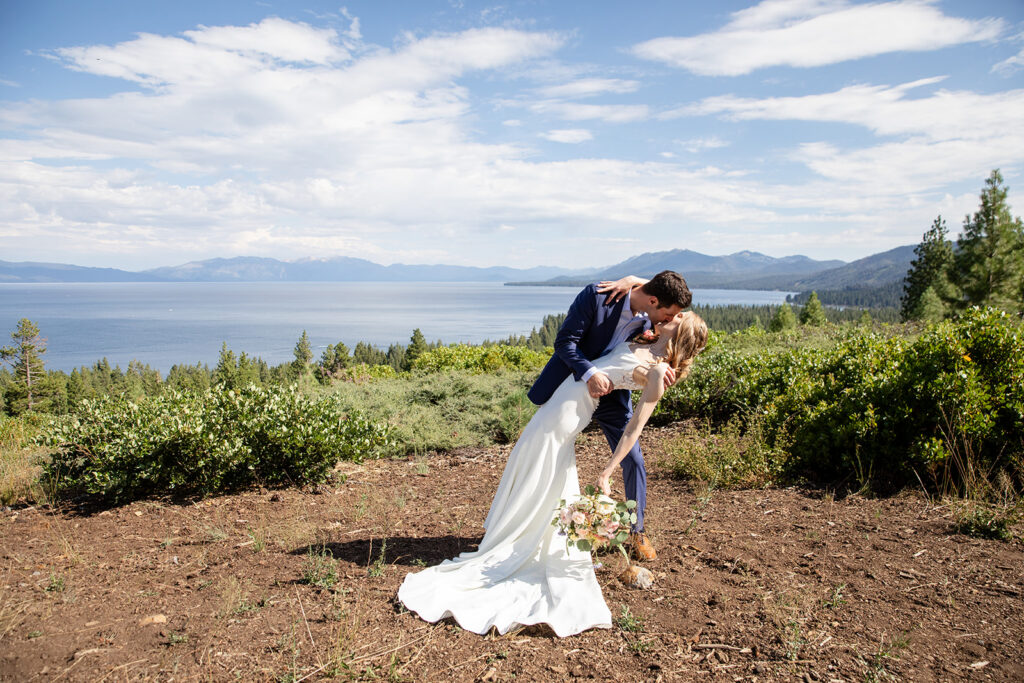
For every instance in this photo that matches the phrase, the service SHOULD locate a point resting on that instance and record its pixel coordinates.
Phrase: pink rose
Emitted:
(579, 518)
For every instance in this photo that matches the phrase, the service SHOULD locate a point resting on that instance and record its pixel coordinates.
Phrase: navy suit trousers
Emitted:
(612, 419)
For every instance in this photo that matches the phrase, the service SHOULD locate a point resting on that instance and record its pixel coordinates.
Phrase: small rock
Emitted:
(275, 497)
(637, 577)
(153, 619)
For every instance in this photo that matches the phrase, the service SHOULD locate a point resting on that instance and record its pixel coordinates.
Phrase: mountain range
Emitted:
(742, 270)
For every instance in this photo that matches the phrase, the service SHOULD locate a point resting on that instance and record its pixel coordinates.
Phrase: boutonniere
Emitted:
(648, 336)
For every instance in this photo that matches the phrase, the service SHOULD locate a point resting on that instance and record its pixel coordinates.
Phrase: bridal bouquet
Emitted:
(594, 520)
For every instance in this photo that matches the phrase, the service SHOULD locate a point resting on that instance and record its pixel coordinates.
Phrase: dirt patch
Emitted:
(777, 584)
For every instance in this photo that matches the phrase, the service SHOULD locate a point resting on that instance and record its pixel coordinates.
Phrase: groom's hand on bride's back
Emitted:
(599, 384)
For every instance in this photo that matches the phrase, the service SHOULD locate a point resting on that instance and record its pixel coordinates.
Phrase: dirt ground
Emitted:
(777, 584)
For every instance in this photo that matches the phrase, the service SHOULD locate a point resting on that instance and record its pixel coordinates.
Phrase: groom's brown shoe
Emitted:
(642, 548)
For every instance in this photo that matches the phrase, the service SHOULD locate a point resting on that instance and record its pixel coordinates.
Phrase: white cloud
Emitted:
(695, 145)
(570, 135)
(886, 110)
(588, 87)
(610, 113)
(808, 33)
(939, 138)
(1010, 65)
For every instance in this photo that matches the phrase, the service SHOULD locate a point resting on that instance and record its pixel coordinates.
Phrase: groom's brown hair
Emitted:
(669, 288)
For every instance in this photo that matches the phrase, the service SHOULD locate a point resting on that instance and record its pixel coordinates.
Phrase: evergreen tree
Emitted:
(334, 359)
(988, 267)
(930, 307)
(366, 354)
(250, 370)
(930, 269)
(865, 319)
(226, 372)
(77, 389)
(396, 357)
(25, 356)
(189, 377)
(303, 357)
(417, 347)
(784, 319)
(813, 314)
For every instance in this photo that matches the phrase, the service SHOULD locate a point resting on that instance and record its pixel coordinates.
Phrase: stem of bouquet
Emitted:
(625, 555)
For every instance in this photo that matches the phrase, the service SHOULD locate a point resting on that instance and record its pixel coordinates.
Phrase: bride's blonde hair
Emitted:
(690, 339)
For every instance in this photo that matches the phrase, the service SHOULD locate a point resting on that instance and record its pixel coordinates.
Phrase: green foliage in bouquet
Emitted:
(593, 520)
(208, 441)
(878, 408)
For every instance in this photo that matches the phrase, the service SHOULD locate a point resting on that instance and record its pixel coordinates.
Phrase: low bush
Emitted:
(481, 358)
(201, 442)
(889, 408)
(444, 410)
(736, 456)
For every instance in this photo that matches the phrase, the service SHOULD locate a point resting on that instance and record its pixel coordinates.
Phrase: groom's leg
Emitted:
(613, 421)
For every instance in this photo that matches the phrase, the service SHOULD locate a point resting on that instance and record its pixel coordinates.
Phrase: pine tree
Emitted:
(396, 357)
(226, 372)
(334, 359)
(930, 307)
(249, 370)
(417, 347)
(813, 314)
(784, 319)
(930, 269)
(25, 356)
(303, 357)
(988, 267)
(865, 319)
(366, 354)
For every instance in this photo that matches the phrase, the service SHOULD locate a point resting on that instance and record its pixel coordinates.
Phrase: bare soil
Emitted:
(775, 584)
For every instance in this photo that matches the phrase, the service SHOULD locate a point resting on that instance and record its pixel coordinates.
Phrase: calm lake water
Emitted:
(166, 323)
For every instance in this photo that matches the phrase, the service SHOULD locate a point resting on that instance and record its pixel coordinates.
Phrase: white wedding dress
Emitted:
(523, 573)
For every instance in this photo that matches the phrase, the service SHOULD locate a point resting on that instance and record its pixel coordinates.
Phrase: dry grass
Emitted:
(20, 463)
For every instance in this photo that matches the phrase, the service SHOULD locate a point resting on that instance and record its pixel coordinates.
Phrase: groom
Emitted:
(593, 326)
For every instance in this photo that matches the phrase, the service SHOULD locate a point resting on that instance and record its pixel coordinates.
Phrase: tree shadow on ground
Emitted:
(403, 550)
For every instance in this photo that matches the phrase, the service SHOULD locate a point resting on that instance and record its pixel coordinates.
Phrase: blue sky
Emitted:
(576, 134)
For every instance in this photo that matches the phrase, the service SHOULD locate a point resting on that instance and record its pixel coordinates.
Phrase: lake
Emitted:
(166, 323)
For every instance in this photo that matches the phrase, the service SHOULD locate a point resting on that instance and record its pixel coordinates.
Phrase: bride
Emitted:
(523, 573)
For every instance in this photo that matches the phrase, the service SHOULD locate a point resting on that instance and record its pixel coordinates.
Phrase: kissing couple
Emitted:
(618, 337)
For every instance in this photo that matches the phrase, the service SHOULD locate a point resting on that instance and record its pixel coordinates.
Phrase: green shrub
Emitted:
(895, 406)
(737, 456)
(206, 441)
(481, 358)
(444, 410)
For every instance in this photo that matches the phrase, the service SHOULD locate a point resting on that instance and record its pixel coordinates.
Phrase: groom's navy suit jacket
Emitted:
(586, 332)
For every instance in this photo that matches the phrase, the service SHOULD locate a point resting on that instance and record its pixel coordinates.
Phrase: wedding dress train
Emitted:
(522, 573)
